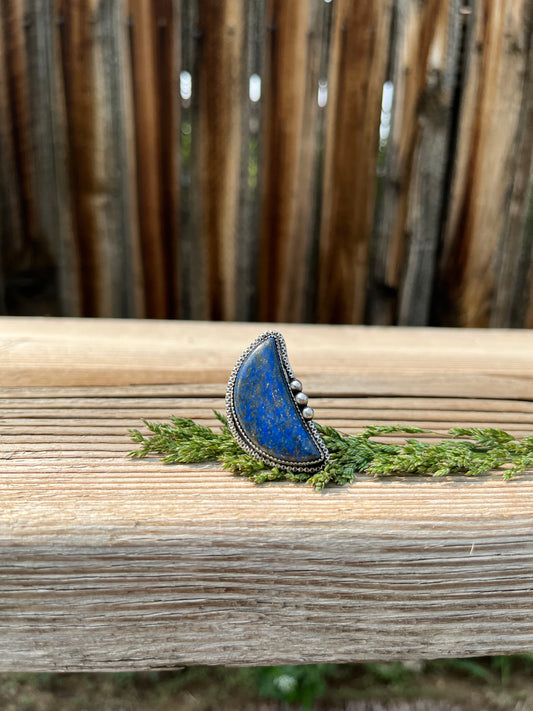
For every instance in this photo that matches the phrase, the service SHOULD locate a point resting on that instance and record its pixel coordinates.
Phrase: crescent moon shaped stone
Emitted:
(262, 411)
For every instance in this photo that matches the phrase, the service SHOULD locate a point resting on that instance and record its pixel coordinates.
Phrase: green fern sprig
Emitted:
(468, 451)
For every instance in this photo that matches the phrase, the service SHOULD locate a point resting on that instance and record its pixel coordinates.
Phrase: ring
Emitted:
(267, 411)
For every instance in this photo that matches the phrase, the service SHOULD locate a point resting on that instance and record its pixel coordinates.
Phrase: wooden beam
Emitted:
(110, 563)
(331, 359)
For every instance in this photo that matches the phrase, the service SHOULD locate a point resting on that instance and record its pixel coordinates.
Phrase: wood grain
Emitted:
(286, 45)
(341, 360)
(512, 297)
(425, 57)
(356, 77)
(121, 285)
(76, 33)
(119, 197)
(10, 218)
(490, 166)
(222, 130)
(50, 141)
(299, 273)
(150, 153)
(114, 564)
(23, 258)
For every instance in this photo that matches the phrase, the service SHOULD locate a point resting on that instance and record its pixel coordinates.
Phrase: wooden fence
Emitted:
(345, 161)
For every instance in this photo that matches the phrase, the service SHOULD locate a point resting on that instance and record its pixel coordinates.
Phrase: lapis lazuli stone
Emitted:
(266, 411)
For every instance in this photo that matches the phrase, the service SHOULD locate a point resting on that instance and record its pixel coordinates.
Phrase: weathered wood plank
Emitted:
(192, 249)
(131, 565)
(357, 73)
(512, 297)
(426, 45)
(120, 285)
(299, 276)
(50, 157)
(10, 220)
(124, 564)
(247, 236)
(155, 107)
(357, 417)
(27, 265)
(491, 128)
(134, 398)
(282, 126)
(520, 306)
(223, 116)
(291, 160)
(97, 89)
(19, 119)
(77, 60)
(331, 360)
(168, 65)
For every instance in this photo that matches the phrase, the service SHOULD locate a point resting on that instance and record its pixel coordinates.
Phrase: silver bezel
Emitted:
(240, 436)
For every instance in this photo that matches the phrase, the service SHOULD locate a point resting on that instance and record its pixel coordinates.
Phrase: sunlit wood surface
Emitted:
(110, 563)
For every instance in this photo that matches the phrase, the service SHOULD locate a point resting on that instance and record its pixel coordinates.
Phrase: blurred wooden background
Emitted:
(347, 161)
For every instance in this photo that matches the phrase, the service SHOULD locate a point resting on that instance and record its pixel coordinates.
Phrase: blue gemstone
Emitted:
(264, 411)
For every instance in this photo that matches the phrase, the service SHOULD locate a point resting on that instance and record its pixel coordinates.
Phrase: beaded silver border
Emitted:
(240, 436)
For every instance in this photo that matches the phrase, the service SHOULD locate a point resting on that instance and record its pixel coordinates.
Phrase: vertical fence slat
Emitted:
(75, 31)
(117, 237)
(357, 73)
(283, 246)
(94, 57)
(192, 245)
(322, 58)
(486, 159)
(155, 66)
(222, 25)
(133, 270)
(424, 61)
(247, 242)
(10, 213)
(148, 153)
(29, 278)
(168, 76)
(50, 159)
(19, 118)
(413, 267)
(300, 275)
(524, 299)
(512, 293)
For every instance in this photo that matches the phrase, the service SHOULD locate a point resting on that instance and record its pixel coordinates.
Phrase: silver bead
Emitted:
(308, 413)
(301, 399)
(296, 386)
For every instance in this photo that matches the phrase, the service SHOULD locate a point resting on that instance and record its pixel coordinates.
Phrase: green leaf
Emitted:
(470, 451)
